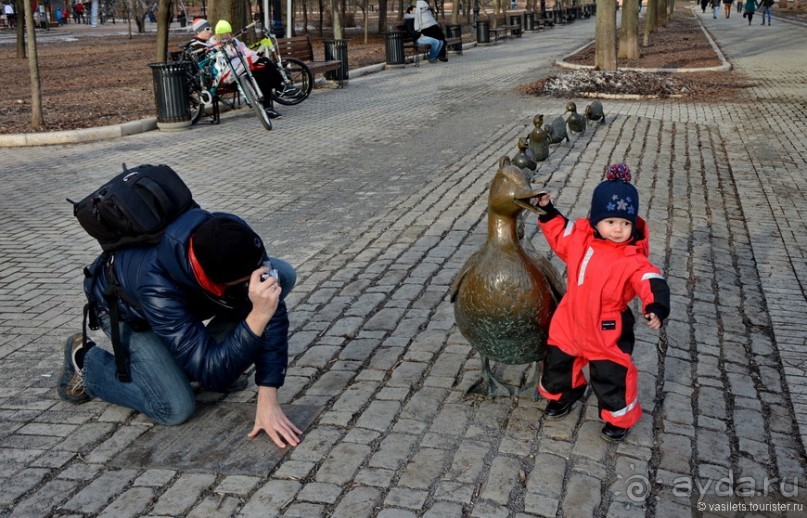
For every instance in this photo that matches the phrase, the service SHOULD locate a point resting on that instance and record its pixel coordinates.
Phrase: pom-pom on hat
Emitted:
(227, 249)
(200, 24)
(615, 197)
(223, 27)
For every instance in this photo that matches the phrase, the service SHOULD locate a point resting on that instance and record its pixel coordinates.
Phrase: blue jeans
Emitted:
(435, 44)
(160, 389)
(766, 10)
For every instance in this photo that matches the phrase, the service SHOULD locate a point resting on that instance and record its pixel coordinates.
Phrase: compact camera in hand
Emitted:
(271, 273)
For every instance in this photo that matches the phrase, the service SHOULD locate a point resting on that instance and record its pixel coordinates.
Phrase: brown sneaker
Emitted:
(71, 383)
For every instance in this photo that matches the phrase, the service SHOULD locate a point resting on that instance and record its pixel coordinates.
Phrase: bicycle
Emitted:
(204, 79)
(296, 74)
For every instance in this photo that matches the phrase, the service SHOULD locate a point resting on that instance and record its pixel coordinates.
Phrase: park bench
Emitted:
(501, 30)
(421, 51)
(300, 47)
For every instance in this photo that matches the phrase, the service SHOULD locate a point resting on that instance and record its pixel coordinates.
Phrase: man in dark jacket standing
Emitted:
(206, 266)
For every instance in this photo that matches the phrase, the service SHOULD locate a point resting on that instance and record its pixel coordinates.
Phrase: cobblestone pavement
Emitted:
(377, 193)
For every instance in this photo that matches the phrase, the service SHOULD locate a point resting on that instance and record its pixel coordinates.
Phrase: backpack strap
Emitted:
(112, 294)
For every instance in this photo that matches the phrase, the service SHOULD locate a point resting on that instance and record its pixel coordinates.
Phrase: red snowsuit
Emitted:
(593, 324)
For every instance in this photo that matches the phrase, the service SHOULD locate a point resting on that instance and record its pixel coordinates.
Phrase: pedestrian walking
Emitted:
(766, 6)
(715, 8)
(750, 7)
(607, 267)
(727, 7)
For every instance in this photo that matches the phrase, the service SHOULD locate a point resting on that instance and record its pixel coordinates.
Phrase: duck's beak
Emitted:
(525, 202)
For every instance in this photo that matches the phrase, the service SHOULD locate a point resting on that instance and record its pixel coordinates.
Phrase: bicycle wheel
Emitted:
(299, 76)
(251, 98)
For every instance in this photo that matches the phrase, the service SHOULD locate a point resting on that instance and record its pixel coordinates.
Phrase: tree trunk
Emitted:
(366, 20)
(336, 17)
(19, 8)
(661, 13)
(37, 121)
(382, 16)
(629, 39)
(650, 21)
(234, 11)
(163, 21)
(605, 35)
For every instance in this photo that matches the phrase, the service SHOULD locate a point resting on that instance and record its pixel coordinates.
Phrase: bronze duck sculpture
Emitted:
(595, 112)
(556, 130)
(504, 296)
(538, 140)
(576, 122)
(524, 160)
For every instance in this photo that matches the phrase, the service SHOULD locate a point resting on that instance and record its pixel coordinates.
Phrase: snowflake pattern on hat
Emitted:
(615, 197)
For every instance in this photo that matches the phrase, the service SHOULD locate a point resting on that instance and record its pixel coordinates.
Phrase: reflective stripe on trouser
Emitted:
(562, 378)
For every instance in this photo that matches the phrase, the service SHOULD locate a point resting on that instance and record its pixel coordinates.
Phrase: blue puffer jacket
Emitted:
(171, 302)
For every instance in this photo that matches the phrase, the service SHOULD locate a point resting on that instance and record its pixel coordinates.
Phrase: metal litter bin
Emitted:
(529, 21)
(483, 31)
(393, 44)
(454, 30)
(337, 50)
(171, 95)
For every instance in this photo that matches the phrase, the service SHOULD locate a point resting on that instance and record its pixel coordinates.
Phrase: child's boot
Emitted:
(613, 433)
(558, 409)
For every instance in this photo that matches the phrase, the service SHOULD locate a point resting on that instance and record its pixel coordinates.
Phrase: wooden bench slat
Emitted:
(299, 47)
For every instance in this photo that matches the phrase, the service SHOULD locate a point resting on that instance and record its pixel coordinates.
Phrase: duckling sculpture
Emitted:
(538, 140)
(524, 160)
(595, 112)
(556, 131)
(576, 122)
(503, 296)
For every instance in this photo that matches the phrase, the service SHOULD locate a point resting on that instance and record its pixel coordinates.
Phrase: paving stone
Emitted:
(357, 503)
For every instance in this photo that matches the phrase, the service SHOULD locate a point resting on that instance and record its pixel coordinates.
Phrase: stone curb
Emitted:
(725, 67)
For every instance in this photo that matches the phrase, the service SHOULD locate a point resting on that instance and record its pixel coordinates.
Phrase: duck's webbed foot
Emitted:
(488, 385)
(530, 388)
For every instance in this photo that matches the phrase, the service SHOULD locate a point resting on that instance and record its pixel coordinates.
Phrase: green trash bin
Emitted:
(336, 50)
(171, 95)
(393, 45)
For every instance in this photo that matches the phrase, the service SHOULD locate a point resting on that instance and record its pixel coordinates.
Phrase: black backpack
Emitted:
(132, 209)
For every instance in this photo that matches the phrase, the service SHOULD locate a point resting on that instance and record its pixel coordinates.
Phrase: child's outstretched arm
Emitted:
(553, 224)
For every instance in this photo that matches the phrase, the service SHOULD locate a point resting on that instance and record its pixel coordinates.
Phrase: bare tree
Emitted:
(37, 120)
(19, 7)
(337, 17)
(605, 35)
(650, 21)
(629, 38)
(661, 13)
(382, 16)
(163, 21)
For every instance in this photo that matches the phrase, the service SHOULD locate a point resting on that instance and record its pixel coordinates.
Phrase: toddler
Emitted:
(607, 267)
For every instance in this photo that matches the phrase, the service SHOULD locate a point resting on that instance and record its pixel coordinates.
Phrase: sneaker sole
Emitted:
(66, 377)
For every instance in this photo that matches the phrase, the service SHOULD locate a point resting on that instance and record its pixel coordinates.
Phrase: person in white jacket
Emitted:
(426, 24)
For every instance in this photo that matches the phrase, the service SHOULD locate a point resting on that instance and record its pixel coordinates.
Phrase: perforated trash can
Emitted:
(454, 31)
(529, 21)
(393, 45)
(337, 50)
(171, 95)
(483, 31)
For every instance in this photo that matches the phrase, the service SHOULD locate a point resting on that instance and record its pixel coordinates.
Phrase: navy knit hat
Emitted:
(227, 249)
(615, 197)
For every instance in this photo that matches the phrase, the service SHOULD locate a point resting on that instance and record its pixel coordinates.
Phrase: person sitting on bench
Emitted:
(426, 24)
(421, 39)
